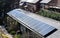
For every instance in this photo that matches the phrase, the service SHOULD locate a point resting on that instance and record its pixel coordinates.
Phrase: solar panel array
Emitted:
(38, 26)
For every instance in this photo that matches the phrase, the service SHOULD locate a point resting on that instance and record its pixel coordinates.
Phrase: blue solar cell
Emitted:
(39, 24)
(43, 27)
(46, 31)
(32, 22)
(21, 16)
(27, 20)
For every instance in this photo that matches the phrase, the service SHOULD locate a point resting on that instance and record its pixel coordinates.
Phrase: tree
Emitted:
(6, 6)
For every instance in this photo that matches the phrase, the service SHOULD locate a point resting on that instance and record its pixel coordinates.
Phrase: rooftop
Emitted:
(44, 20)
(30, 1)
(45, 1)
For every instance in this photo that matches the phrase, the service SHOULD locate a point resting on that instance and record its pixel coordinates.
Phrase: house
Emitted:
(44, 3)
(51, 4)
(31, 5)
(35, 6)
(55, 5)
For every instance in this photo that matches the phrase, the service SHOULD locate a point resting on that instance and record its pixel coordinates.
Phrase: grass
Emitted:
(49, 14)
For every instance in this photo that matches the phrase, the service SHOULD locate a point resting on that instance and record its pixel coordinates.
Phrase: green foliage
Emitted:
(50, 14)
(5, 5)
(13, 32)
(2, 3)
(2, 6)
(17, 36)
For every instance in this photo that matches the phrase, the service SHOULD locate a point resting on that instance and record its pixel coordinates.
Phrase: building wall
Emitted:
(58, 4)
(53, 3)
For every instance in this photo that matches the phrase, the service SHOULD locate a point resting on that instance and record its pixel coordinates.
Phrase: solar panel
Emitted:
(47, 30)
(38, 26)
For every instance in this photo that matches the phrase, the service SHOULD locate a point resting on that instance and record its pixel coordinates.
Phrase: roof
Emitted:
(49, 21)
(37, 26)
(30, 1)
(45, 1)
(23, 0)
(54, 7)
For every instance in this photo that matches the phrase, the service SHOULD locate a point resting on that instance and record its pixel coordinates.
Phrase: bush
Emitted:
(50, 14)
